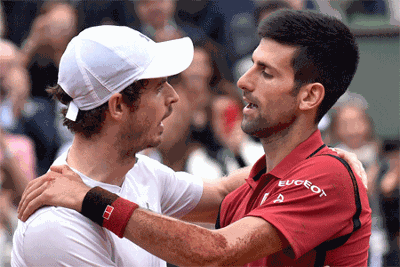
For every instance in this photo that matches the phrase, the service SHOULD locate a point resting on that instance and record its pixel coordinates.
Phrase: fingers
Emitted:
(33, 185)
(67, 171)
(59, 168)
(356, 165)
(32, 202)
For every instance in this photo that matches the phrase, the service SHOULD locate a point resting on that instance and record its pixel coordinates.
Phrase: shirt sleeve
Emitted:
(61, 237)
(314, 205)
(181, 192)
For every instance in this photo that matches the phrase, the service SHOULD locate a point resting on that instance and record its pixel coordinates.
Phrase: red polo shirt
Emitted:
(309, 201)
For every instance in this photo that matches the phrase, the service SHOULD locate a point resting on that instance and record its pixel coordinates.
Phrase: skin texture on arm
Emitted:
(185, 244)
(173, 240)
(62, 187)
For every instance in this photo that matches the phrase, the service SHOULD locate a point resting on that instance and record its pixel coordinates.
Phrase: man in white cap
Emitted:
(114, 81)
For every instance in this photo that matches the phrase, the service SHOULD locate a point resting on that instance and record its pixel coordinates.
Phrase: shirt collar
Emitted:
(300, 153)
(62, 160)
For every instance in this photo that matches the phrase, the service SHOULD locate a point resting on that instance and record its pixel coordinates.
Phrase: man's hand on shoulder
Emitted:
(58, 187)
(354, 163)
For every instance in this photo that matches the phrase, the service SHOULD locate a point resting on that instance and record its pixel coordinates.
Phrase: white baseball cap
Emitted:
(104, 60)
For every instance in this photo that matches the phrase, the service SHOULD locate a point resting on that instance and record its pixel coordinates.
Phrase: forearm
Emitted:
(173, 240)
(178, 242)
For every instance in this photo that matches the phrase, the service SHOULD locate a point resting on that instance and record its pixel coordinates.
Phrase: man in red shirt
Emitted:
(309, 200)
(300, 206)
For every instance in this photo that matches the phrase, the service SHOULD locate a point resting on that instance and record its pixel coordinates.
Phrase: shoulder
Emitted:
(324, 173)
(147, 164)
(57, 221)
(53, 234)
(323, 164)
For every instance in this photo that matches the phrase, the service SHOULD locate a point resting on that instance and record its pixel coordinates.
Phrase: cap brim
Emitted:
(172, 57)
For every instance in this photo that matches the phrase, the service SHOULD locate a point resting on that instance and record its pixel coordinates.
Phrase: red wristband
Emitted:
(116, 216)
(108, 210)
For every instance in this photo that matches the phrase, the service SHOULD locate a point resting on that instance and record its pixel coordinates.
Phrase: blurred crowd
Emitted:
(203, 134)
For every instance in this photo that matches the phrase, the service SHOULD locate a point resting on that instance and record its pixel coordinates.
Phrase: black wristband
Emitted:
(95, 204)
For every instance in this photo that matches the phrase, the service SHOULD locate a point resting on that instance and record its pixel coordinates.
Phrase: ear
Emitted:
(311, 96)
(116, 106)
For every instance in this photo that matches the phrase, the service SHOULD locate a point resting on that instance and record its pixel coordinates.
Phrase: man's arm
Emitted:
(175, 241)
(42, 191)
(186, 244)
(214, 191)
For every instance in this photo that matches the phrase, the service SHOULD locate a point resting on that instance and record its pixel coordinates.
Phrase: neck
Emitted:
(176, 157)
(99, 160)
(278, 146)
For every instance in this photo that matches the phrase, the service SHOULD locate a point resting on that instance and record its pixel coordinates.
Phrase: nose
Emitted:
(246, 82)
(173, 95)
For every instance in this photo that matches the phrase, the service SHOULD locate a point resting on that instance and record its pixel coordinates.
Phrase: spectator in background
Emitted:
(51, 31)
(206, 15)
(204, 82)
(17, 162)
(14, 86)
(157, 19)
(385, 177)
(178, 150)
(189, 142)
(261, 11)
(352, 129)
(18, 18)
(240, 28)
(238, 149)
(49, 35)
(93, 13)
(2, 21)
(17, 152)
(17, 168)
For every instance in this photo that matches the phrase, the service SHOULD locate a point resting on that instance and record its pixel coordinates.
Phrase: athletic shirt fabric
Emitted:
(309, 200)
(56, 236)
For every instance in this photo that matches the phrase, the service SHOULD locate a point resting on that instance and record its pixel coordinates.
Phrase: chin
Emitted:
(155, 142)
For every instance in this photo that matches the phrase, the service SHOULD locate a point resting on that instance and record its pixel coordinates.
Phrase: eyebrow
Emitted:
(163, 80)
(265, 65)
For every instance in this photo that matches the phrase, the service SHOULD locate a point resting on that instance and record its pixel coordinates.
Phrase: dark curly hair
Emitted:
(90, 122)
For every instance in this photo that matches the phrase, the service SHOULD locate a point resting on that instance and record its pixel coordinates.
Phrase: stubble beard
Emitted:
(128, 144)
(265, 129)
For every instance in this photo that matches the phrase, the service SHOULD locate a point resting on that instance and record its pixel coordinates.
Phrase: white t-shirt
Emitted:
(56, 236)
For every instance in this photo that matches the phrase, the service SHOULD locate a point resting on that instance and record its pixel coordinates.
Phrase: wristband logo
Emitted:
(107, 212)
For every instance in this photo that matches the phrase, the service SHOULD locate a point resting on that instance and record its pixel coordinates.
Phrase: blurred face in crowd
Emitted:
(8, 58)
(197, 77)
(61, 25)
(267, 88)
(155, 12)
(352, 126)
(144, 126)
